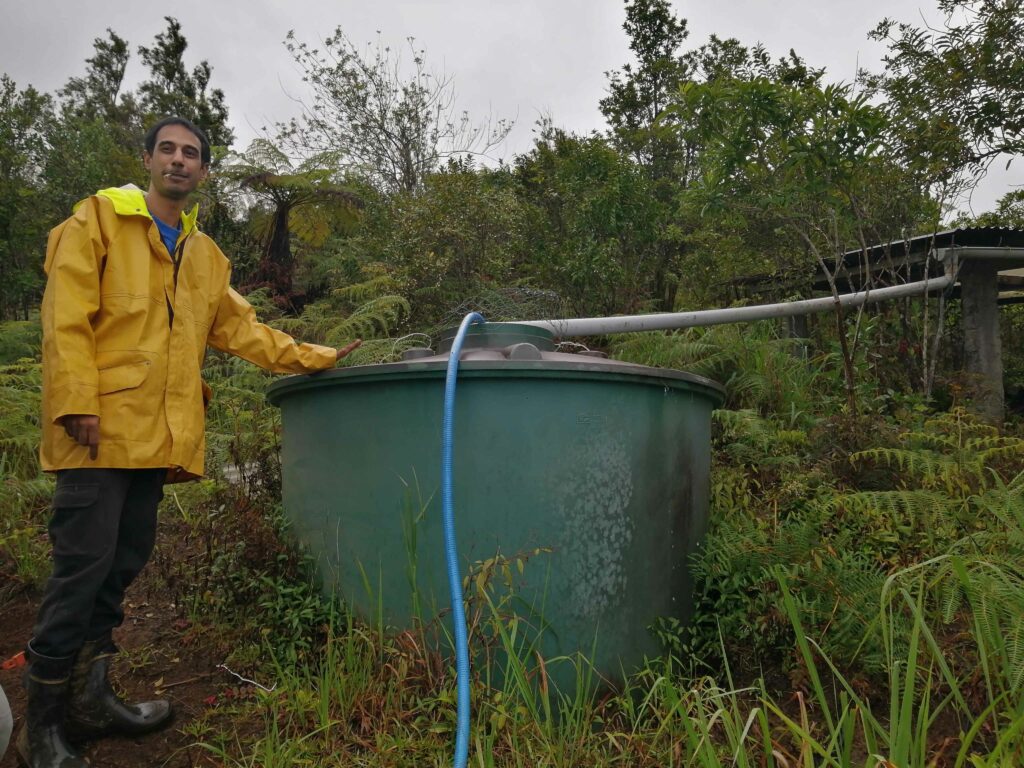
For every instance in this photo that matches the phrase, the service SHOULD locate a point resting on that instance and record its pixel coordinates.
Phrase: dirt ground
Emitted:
(161, 658)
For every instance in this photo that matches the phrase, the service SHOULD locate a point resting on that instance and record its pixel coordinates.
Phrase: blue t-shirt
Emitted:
(168, 234)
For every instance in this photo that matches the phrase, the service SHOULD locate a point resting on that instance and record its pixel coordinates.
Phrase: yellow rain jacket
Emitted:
(125, 329)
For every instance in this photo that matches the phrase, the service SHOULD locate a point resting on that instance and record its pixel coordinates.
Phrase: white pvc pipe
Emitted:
(599, 326)
(993, 253)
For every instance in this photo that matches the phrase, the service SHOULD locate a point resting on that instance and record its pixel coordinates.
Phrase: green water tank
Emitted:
(593, 472)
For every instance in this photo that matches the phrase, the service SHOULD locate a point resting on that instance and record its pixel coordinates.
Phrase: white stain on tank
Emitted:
(597, 529)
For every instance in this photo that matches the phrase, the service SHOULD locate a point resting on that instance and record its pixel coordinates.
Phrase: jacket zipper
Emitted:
(176, 257)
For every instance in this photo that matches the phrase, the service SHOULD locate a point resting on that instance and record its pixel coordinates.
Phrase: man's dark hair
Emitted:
(204, 143)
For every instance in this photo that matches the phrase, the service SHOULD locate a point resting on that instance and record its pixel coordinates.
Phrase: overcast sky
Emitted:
(508, 59)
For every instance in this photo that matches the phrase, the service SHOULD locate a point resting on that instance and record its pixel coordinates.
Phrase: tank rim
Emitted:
(625, 372)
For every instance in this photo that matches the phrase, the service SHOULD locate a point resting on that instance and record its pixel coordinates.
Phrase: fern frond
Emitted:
(914, 504)
(374, 319)
(1015, 655)
(977, 444)
(960, 423)
(933, 440)
(745, 422)
(950, 599)
(368, 290)
(917, 464)
(261, 153)
(1006, 451)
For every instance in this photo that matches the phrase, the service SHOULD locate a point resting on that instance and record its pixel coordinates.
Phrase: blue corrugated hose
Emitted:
(451, 556)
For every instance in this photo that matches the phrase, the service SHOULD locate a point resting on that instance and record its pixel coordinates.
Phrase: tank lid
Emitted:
(498, 336)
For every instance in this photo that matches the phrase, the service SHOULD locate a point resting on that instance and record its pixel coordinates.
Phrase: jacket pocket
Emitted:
(123, 377)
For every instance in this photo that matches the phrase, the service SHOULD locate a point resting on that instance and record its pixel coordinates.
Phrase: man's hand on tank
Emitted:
(345, 350)
(84, 429)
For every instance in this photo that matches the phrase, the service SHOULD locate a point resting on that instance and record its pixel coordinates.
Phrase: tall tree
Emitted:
(1009, 212)
(84, 155)
(457, 239)
(23, 118)
(593, 230)
(955, 93)
(808, 162)
(172, 90)
(94, 141)
(100, 91)
(634, 109)
(656, 137)
(639, 93)
(55, 152)
(380, 119)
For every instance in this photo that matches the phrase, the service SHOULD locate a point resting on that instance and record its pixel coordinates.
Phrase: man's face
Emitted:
(176, 166)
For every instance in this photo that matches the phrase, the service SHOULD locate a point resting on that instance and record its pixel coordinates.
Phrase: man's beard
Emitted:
(173, 193)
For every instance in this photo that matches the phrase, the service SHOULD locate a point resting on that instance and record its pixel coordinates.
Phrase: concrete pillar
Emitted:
(796, 329)
(983, 356)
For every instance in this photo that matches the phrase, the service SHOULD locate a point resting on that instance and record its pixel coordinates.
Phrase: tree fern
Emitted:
(294, 198)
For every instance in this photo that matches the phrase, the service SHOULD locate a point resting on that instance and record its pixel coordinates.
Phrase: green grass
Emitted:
(370, 704)
(370, 696)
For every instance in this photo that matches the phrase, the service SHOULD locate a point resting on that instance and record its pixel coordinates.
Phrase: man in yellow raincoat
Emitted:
(134, 294)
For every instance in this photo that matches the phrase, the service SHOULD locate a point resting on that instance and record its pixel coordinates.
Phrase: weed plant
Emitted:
(24, 492)
(20, 340)
(389, 700)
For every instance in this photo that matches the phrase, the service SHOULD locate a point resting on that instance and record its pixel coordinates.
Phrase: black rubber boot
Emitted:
(42, 742)
(96, 710)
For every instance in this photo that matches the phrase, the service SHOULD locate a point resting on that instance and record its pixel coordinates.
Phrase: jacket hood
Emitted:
(129, 200)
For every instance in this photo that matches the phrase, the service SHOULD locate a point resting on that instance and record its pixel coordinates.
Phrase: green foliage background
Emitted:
(860, 590)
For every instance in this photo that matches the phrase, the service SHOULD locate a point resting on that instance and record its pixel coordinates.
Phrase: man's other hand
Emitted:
(84, 430)
(345, 350)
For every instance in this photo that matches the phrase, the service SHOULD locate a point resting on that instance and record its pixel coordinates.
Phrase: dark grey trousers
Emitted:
(103, 529)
